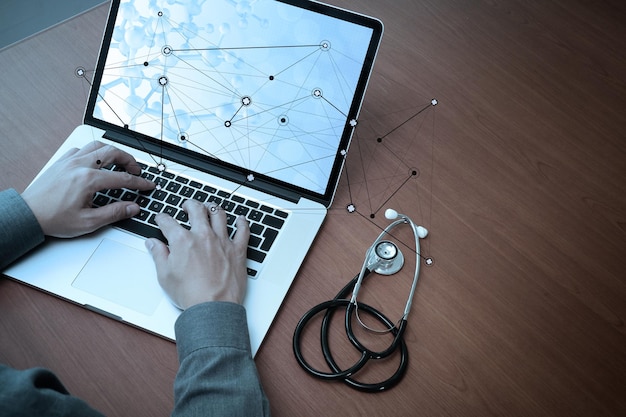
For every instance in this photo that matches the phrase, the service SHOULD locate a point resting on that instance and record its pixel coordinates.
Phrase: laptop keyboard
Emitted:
(171, 192)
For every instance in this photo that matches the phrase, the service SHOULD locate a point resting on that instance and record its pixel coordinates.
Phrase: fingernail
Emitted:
(132, 210)
(149, 244)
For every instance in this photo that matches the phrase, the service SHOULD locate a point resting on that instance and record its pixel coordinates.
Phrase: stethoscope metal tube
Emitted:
(383, 257)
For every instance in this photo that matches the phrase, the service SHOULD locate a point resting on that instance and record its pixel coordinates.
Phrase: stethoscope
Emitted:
(385, 258)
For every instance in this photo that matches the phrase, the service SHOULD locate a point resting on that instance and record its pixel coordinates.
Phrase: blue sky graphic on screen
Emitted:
(239, 81)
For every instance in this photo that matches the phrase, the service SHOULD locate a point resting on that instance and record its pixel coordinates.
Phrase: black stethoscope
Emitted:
(385, 258)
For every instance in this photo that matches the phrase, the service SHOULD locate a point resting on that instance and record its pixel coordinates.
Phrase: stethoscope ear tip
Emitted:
(422, 232)
(391, 214)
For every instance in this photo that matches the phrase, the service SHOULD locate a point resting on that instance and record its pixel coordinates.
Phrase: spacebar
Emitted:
(141, 229)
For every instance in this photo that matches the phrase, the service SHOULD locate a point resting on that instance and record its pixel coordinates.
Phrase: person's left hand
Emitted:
(61, 198)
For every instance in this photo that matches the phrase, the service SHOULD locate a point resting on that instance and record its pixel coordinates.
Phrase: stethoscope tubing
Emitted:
(352, 307)
(366, 354)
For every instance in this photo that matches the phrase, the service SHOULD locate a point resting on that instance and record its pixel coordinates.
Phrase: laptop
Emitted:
(251, 105)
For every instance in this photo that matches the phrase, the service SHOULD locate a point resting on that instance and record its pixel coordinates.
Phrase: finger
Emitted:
(105, 180)
(95, 218)
(108, 154)
(198, 218)
(159, 252)
(97, 154)
(171, 229)
(242, 235)
(69, 153)
(218, 220)
(90, 147)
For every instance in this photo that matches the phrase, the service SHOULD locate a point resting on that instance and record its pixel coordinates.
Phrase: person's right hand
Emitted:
(201, 264)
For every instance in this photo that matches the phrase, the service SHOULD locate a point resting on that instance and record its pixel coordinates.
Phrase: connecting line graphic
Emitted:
(414, 172)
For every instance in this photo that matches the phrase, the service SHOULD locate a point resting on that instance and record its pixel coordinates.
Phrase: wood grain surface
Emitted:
(521, 171)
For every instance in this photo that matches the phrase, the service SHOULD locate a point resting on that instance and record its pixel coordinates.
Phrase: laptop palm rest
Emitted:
(119, 273)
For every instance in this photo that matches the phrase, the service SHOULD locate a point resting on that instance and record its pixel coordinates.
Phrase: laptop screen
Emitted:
(268, 88)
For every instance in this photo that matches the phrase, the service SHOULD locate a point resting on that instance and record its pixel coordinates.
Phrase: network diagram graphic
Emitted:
(229, 84)
(266, 95)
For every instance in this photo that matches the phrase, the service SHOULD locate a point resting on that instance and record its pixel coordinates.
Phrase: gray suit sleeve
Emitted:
(217, 374)
(19, 230)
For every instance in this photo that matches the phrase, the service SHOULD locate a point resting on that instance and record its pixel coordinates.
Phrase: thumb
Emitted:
(113, 212)
(159, 252)
(94, 219)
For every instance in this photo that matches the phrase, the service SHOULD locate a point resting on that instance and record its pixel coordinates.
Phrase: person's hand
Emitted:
(201, 264)
(61, 198)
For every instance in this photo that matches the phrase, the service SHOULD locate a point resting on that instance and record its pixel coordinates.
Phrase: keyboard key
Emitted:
(256, 255)
(255, 216)
(270, 237)
(143, 215)
(101, 200)
(142, 201)
(256, 229)
(273, 221)
(115, 193)
(173, 199)
(171, 211)
(129, 196)
(229, 206)
(182, 216)
(160, 182)
(156, 207)
(159, 195)
(241, 210)
(200, 196)
(254, 241)
(173, 187)
(187, 192)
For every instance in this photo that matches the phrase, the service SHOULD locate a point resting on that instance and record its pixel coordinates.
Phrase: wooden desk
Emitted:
(522, 186)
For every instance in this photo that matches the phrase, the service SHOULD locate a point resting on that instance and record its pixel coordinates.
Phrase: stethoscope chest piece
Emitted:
(386, 258)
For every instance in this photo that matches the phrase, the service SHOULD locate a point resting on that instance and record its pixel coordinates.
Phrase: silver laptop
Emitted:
(251, 105)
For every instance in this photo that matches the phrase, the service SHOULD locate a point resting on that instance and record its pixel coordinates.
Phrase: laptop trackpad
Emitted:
(123, 275)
